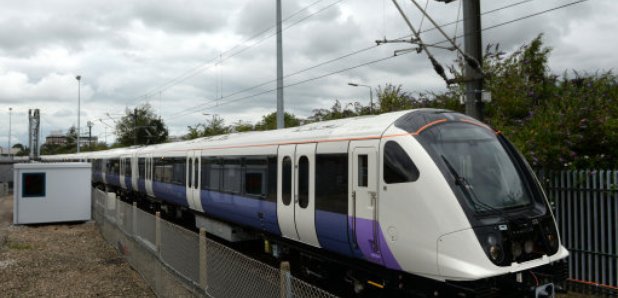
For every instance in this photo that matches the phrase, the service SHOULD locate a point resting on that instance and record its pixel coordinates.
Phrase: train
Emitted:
(425, 201)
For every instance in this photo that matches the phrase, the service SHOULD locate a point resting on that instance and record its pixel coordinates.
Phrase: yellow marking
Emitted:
(375, 284)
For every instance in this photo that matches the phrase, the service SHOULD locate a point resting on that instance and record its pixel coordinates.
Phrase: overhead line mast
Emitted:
(280, 113)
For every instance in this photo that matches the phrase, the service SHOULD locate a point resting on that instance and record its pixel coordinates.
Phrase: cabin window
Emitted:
(232, 175)
(331, 182)
(170, 170)
(256, 171)
(286, 183)
(398, 167)
(142, 168)
(363, 170)
(303, 182)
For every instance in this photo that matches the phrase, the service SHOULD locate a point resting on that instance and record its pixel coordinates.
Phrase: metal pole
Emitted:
(10, 115)
(473, 48)
(280, 110)
(78, 78)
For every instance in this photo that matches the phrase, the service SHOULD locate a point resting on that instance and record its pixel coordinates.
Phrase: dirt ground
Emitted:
(68, 260)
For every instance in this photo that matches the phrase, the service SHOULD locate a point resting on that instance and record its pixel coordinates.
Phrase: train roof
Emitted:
(362, 127)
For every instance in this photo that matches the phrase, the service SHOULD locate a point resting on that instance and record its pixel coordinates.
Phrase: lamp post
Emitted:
(10, 114)
(79, 79)
(370, 94)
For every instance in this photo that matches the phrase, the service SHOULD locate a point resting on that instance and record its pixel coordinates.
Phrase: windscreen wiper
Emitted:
(469, 191)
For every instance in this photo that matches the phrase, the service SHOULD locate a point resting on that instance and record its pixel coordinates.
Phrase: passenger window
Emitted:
(331, 183)
(255, 177)
(286, 181)
(363, 170)
(398, 167)
(303, 182)
(214, 177)
(231, 175)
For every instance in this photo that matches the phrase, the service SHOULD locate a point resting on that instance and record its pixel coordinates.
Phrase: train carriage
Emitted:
(385, 200)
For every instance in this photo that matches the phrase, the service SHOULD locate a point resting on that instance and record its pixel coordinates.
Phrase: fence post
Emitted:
(134, 219)
(284, 280)
(158, 231)
(203, 260)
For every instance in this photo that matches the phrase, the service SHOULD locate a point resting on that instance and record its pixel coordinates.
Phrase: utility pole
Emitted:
(473, 46)
(280, 111)
(79, 83)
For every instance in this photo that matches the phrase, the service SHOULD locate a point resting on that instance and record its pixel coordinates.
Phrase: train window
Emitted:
(179, 173)
(286, 183)
(232, 177)
(213, 172)
(271, 189)
(331, 182)
(190, 166)
(256, 170)
(141, 168)
(303, 182)
(114, 167)
(363, 170)
(398, 167)
(127, 167)
(162, 170)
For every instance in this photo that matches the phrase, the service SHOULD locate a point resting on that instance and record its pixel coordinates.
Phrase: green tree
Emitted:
(242, 126)
(140, 127)
(557, 122)
(212, 127)
(269, 121)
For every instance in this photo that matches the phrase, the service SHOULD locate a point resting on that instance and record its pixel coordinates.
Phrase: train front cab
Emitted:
(467, 209)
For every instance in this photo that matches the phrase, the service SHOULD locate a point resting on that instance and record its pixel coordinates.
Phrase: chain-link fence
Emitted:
(176, 262)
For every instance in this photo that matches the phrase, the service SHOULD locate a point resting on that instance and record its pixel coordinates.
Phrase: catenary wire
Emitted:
(383, 59)
(205, 66)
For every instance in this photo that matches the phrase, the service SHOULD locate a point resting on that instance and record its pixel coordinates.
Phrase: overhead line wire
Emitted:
(336, 59)
(390, 57)
(204, 66)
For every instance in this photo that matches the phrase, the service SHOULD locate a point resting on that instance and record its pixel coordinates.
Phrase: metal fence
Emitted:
(176, 262)
(587, 214)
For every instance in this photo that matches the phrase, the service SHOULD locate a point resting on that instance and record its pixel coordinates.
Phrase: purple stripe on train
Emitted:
(379, 252)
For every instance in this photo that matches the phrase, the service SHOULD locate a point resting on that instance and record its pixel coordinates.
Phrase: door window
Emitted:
(363, 170)
(303, 182)
(286, 183)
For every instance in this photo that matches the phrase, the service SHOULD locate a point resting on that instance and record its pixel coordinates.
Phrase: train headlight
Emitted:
(552, 240)
(516, 249)
(529, 246)
(496, 253)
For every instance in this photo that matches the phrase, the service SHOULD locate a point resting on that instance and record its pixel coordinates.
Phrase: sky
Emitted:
(192, 59)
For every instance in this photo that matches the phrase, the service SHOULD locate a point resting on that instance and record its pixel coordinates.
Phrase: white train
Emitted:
(419, 201)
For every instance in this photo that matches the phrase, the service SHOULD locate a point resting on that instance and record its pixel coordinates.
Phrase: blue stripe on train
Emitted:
(173, 193)
(332, 231)
(128, 183)
(141, 185)
(112, 179)
(241, 210)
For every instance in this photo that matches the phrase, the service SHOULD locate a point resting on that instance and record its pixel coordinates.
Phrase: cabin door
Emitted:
(194, 180)
(365, 224)
(296, 193)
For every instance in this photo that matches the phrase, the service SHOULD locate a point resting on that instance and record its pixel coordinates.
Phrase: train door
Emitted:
(149, 175)
(364, 179)
(296, 193)
(194, 179)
